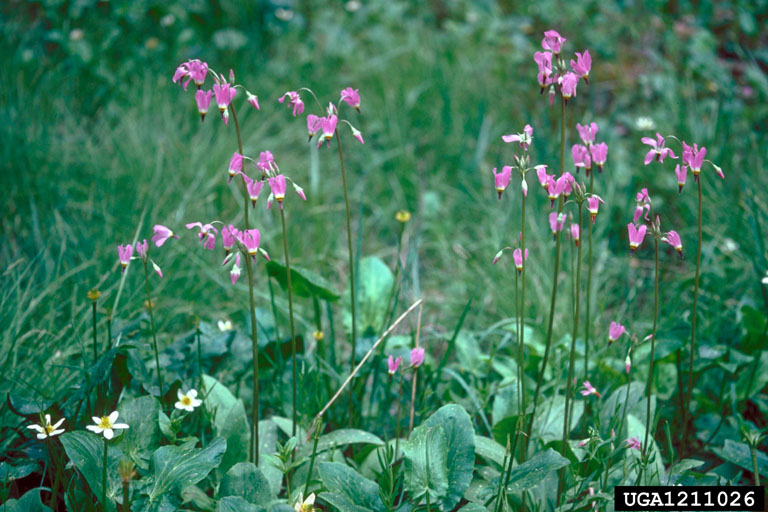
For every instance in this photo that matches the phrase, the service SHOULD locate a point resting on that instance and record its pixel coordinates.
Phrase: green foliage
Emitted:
(85, 450)
(347, 490)
(246, 481)
(230, 422)
(179, 466)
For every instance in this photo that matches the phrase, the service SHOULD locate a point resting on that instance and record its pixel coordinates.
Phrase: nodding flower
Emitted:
(328, 126)
(556, 222)
(581, 157)
(224, 95)
(266, 162)
(250, 239)
(599, 154)
(694, 158)
(589, 389)
(642, 202)
(517, 255)
(193, 69)
(313, 125)
(417, 357)
(253, 100)
(393, 364)
(593, 204)
(207, 234)
(501, 179)
(234, 273)
(627, 363)
(575, 232)
(351, 97)
(203, 100)
(553, 41)
(124, 253)
(544, 62)
(254, 188)
(523, 138)
(541, 173)
(587, 132)
(228, 236)
(658, 150)
(582, 65)
(615, 331)
(636, 236)
(142, 248)
(681, 171)
(554, 189)
(278, 186)
(673, 239)
(565, 183)
(235, 165)
(568, 85)
(294, 100)
(634, 444)
(524, 186)
(162, 234)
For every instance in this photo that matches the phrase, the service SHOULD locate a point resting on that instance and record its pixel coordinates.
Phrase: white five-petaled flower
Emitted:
(47, 430)
(307, 505)
(106, 425)
(225, 325)
(187, 402)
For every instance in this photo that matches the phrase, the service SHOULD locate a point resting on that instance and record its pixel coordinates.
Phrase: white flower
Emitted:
(225, 325)
(644, 123)
(47, 430)
(106, 424)
(765, 279)
(189, 401)
(306, 505)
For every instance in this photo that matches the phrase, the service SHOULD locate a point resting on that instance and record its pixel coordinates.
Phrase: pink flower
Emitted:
(417, 357)
(544, 62)
(582, 65)
(583, 442)
(357, 134)
(524, 186)
(235, 165)
(541, 173)
(142, 248)
(634, 443)
(278, 186)
(124, 253)
(636, 236)
(207, 234)
(266, 162)
(694, 158)
(593, 204)
(658, 149)
(552, 41)
(523, 138)
(615, 331)
(627, 364)
(681, 171)
(587, 133)
(351, 97)
(253, 100)
(162, 234)
(589, 390)
(393, 364)
(581, 157)
(517, 255)
(328, 125)
(193, 70)
(565, 183)
(228, 236)
(299, 191)
(295, 101)
(556, 222)
(254, 189)
(643, 202)
(575, 233)
(568, 85)
(234, 273)
(501, 179)
(554, 188)
(313, 125)
(224, 95)
(599, 154)
(673, 239)
(203, 99)
(250, 239)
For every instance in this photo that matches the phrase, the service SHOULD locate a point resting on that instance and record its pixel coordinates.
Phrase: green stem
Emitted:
(290, 314)
(254, 447)
(57, 473)
(150, 308)
(588, 321)
(126, 496)
(521, 337)
(571, 360)
(692, 350)
(104, 478)
(95, 346)
(312, 461)
(352, 294)
(755, 471)
(553, 301)
(649, 386)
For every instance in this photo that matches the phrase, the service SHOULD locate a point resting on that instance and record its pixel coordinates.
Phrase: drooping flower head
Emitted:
(523, 138)
(544, 62)
(636, 236)
(47, 430)
(328, 126)
(124, 253)
(642, 202)
(203, 100)
(554, 189)
(193, 69)
(517, 255)
(575, 233)
(501, 179)
(224, 95)
(253, 100)
(693, 157)
(235, 165)
(142, 248)
(228, 237)
(187, 401)
(599, 153)
(658, 150)
(634, 444)
(582, 65)
(541, 174)
(615, 331)
(581, 158)
(681, 171)
(593, 205)
(250, 239)
(351, 97)
(253, 188)
(393, 364)
(207, 234)
(106, 425)
(568, 85)
(235, 271)
(565, 183)
(278, 186)
(553, 41)
(589, 389)
(266, 162)
(417, 357)
(673, 239)
(313, 125)
(556, 222)
(295, 101)
(161, 234)
(587, 133)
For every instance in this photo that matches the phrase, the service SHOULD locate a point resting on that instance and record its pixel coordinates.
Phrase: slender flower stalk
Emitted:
(649, 386)
(94, 296)
(290, 314)
(351, 258)
(587, 306)
(572, 358)
(104, 477)
(151, 308)
(521, 333)
(254, 447)
(417, 359)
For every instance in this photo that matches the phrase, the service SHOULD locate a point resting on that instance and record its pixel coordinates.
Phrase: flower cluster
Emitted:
(555, 74)
(325, 125)
(590, 153)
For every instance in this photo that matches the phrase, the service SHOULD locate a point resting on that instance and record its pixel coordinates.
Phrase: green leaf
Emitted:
(348, 490)
(473, 507)
(86, 452)
(9, 473)
(426, 471)
(268, 446)
(373, 293)
(341, 437)
(175, 466)
(530, 473)
(739, 454)
(30, 502)
(489, 449)
(144, 435)
(24, 403)
(244, 479)
(548, 425)
(305, 283)
(230, 422)
(754, 377)
(195, 495)
(236, 504)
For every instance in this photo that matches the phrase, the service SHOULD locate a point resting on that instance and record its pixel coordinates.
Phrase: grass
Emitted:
(82, 176)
